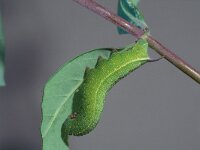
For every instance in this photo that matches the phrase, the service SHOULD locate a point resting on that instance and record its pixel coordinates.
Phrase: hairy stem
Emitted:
(154, 44)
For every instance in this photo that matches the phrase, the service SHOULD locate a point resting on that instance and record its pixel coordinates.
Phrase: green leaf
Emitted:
(134, 2)
(128, 10)
(2, 54)
(58, 95)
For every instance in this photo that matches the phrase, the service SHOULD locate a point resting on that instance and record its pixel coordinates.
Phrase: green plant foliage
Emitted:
(134, 2)
(2, 54)
(58, 94)
(88, 101)
(128, 10)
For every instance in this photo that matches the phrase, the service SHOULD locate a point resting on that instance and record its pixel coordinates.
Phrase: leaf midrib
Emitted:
(58, 110)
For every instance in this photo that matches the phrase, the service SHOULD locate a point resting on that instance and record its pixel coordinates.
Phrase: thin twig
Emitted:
(154, 44)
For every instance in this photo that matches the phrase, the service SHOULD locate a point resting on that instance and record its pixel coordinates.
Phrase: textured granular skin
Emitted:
(88, 101)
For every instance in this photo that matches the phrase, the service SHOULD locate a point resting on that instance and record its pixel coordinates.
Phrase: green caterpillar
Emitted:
(88, 101)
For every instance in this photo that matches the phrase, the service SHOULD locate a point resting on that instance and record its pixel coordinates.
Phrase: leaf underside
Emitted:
(58, 95)
(128, 10)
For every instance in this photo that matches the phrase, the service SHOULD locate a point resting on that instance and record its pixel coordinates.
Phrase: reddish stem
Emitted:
(154, 44)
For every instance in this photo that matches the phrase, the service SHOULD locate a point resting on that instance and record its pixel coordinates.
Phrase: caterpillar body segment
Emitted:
(88, 101)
